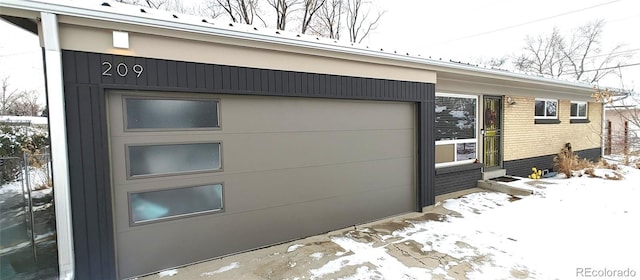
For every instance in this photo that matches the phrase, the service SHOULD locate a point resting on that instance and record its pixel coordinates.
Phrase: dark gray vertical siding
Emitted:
(88, 140)
(592, 154)
(522, 167)
(425, 111)
(88, 166)
(457, 178)
(427, 92)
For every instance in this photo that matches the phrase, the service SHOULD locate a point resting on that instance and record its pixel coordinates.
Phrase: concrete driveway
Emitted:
(369, 251)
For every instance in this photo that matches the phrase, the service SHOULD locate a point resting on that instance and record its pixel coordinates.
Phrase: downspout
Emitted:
(58, 136)
(603, 141)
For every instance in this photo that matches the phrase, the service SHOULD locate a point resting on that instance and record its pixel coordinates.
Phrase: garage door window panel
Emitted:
(172, 159)
(170, 114)
(159, 205)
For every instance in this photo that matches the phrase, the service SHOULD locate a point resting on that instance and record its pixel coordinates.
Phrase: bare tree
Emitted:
(579, 56)
(497, 62)
(329, 19)
(26, 105)
(177, 6)
(17, 103)
(155, 4)
(585, 55)
(359, 20)
(212, 10)
(8, 97)
(283, 9)
(244, 11)
(310, 9)
(543, 55)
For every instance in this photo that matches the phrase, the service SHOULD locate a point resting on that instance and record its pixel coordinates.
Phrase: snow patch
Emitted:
(386, 266)
(294, 247)
(458, 114)
(440, 109)
(226, 268)
(316, 256)
(169, 273)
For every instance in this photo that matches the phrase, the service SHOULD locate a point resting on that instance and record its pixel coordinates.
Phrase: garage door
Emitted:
(201, 176)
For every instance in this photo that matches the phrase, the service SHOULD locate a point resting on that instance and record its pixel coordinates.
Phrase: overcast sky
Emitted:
(462, 30)
(468, 30)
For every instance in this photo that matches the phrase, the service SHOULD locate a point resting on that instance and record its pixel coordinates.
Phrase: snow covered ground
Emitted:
(575, 228)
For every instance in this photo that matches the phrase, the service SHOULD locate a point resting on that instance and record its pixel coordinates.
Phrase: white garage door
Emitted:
(201, 176)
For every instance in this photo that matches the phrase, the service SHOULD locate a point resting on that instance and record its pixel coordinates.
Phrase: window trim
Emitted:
(545, 117)
(175, 217)
(146, 176)
(475, 136)
(455, 142)
(586, 110)
(124, 98)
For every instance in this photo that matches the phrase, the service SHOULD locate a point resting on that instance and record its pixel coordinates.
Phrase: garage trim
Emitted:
(85, 96)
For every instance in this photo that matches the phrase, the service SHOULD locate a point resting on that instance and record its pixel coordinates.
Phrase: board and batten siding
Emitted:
(87, 77)
(457, 178)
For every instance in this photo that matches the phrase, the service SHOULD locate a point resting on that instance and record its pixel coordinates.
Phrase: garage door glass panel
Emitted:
(142, 113)
(173, 158)
(165, 204)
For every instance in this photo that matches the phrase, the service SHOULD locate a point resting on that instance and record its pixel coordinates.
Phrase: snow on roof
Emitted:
(125, 13)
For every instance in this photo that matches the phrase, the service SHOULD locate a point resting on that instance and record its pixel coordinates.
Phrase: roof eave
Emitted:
(207, 28)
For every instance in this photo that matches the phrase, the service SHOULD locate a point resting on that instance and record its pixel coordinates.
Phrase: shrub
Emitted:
(16, 141)
(591, 173)
(603, 163)
(567, 161)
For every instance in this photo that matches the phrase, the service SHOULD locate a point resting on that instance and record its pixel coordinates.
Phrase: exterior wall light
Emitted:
(120, 39)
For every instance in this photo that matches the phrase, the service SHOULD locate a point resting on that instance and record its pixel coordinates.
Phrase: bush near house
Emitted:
(567, 161)
(16, 141)
(569, 164)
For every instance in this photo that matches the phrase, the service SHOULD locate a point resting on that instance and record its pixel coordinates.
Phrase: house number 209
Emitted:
(121, 69)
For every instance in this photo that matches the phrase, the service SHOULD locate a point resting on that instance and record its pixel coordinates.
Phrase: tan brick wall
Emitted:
(524, 139)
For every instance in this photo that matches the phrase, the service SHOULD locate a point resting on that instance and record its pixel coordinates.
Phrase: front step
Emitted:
(486, 175)
(503, 188)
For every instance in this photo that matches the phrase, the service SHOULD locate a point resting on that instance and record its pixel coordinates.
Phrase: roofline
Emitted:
(84, 11)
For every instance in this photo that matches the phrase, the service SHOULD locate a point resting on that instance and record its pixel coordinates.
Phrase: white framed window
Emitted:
(579, 109)
(456, 128)
(546, 108)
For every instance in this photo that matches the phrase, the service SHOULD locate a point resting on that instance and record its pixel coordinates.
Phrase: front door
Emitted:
(492, 132)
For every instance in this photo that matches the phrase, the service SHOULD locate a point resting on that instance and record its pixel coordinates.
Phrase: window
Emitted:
(578, 110)
(172, 158)
(166, 113)
(164, 204)
(456, 128)
(546, 108)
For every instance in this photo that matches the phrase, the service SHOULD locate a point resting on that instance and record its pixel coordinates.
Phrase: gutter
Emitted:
(81, 10)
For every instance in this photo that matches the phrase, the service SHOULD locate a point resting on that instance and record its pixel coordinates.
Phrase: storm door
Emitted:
(492, 132)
